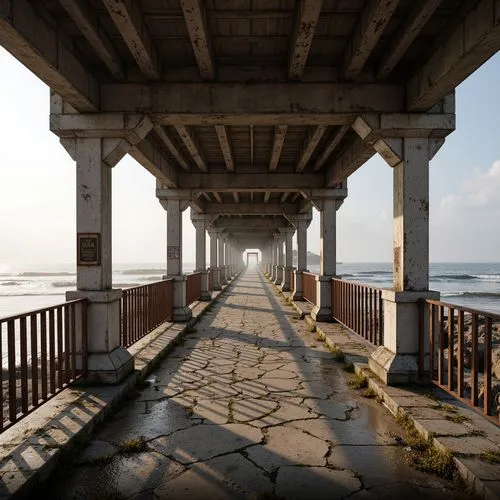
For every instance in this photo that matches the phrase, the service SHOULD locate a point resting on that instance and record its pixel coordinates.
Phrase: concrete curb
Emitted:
(31, 449)
(465, 441)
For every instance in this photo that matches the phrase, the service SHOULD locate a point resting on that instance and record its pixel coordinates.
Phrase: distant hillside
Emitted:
(312, 258)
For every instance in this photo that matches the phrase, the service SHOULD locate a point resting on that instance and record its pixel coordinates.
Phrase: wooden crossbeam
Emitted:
(225, 146)
(192, 146)
(236, 197)
(165, 139)
(279, 140)
(409, 30)
(305, 25)
(366, 34)
(128, 19)
(87, 22)
(310, 144)
(194, 17)
(330, 148)
(217, 196)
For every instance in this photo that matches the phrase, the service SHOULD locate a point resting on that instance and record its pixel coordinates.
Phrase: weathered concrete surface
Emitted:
(453, 426)
(251, 405)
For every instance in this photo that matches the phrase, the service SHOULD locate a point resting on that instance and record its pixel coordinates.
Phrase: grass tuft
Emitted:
(132, 446)
(348, 367)
(312, 328)
(492, 457)
(357, 381)
(368, 393)
(338, 354)
(457, 419)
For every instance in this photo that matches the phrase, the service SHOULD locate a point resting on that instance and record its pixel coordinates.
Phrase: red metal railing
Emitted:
(460, 352)
(143, 308)
(193, 287)
(309, 287)
(42, 352)
(359, 308)
(290, 278)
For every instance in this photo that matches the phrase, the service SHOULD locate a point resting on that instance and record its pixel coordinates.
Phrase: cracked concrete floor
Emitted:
(250, 405)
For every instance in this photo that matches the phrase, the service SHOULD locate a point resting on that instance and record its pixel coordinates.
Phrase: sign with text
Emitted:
(89, 249)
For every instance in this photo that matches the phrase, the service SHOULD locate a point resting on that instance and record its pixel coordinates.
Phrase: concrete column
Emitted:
(201, 258)
(397, 360)
(214, 269)
(288, 233)
(328, 260)
(229, 258)
(274, 259)
(108, 362)
(301, 226)
(280, 259)
(221, 259)
(173, 207)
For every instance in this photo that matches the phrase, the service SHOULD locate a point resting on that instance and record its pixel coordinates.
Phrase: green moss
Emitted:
(312, 328)
(457, 419)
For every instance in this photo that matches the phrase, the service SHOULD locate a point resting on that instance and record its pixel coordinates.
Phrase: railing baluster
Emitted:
(451, 350)
(460, 354)
(432, 319)
(11, 355)
(474, 383)
(24, 364)
(487, 403)
(60, 354)
(52, 355)
(441, 346)
(34, 359)
(67, 370)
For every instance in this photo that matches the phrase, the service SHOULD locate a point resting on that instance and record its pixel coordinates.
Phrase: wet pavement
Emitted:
(251, 405)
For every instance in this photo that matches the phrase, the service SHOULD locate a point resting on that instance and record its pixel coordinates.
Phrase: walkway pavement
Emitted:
(251, 405)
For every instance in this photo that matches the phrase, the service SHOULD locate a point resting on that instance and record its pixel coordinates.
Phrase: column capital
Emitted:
(287, 230)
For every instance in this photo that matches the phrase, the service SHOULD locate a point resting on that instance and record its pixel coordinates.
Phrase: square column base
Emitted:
(322, 311)
(279, 275)
(297, 286)
(109, 367)
(181, 312)
(396, 362)
(108, 362)
(286, 286)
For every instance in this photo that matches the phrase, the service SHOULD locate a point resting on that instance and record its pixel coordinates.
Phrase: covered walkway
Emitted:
(251, 405)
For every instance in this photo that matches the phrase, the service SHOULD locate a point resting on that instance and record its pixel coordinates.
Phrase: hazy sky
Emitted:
(37, 188)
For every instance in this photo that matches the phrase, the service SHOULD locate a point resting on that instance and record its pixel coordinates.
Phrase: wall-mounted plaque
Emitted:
(89, 249)
(173, 253)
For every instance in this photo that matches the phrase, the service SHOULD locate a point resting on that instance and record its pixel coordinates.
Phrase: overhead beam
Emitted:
(192, 146)
(331, 146)
(225, 146)
(87, 22)
(127, 17)
(410, 28)
(217, 196)
(305, 25)
(472, 42)
(195, 19)
(167, 142)
(25, 34)
(309, 146)
(253, 103)
(348, 161)
(250, 209)
(249, 182)
(279, 140)
(150, 155)
(374, 18)
(260, 222)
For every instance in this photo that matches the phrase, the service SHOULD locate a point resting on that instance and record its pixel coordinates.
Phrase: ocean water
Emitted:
(23, 289)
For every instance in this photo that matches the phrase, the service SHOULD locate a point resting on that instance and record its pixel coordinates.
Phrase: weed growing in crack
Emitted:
(492, 457)
(368, 393)
(230, 415)
(338, 354)
(312, 328)
(132, 446)
(357, 381)
(422, 454)
(457, 419)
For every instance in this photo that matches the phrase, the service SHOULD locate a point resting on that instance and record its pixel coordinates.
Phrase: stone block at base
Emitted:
(182, 314)
(205, 296)
(322, 314)
(109, 367)
(393, 369)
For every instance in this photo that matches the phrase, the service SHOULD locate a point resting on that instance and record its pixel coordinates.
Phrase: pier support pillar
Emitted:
(301, 223)
(274, 259)
(199, 223)
(280, 239)
(214, 269)
(174, 207)
(288, 233)
(328, 259)
(108, 362)
(221, 258)
(396, 361)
